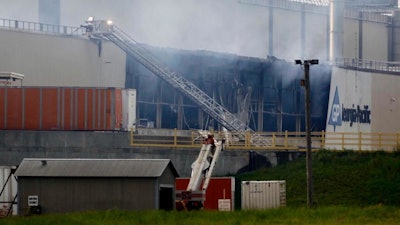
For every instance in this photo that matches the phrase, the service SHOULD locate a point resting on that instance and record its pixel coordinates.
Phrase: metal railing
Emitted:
(316, 6)
(40, 27)
(362, 141)
(379, 66)
(367, 16)
(278, 141)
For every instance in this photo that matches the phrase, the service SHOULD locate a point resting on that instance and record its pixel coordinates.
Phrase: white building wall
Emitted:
(350, 38)
(375, 41)
(365, 102)
(374, 38)
(385, 97)
(50, 60)
(353, 89)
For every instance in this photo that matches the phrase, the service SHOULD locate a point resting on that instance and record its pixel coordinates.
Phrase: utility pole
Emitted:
(306, 84)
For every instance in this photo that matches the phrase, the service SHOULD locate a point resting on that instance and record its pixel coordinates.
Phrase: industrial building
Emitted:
(69, 185)
(264, 93)
(262, 88)
(239, 52)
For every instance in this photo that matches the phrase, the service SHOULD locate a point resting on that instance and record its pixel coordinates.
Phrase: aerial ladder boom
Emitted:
(202, 169)
(106, 30)
(204, 166)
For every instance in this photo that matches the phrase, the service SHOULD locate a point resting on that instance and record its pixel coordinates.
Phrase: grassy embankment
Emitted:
(349, 188)
(340, 178)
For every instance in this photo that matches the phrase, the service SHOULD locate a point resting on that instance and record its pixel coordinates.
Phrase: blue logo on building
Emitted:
(355, 114)
(335, 119)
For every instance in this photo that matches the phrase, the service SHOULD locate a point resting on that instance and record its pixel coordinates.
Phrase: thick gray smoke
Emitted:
(19, 10)
(226, 26)
(222, 26)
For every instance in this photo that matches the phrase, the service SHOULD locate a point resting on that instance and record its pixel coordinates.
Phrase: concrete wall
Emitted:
(385, 98)
(16, 145)
(377, 91)
(353, 89)
(56, 60)
(362, 101)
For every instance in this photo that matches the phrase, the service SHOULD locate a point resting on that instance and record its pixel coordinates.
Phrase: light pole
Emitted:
(306, 84)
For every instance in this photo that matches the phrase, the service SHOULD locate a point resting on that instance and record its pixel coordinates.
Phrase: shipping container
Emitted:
(263, 194)
(63, 108)
(219, 195)
(8, 194)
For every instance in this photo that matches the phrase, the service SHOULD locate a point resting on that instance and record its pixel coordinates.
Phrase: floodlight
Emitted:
(109, 22)
(90, 19)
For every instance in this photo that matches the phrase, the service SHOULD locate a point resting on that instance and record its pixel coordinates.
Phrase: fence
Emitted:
(40, 27)
(380, 66)
(279, 141)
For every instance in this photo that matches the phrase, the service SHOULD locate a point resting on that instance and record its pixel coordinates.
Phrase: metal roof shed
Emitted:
(69, 185)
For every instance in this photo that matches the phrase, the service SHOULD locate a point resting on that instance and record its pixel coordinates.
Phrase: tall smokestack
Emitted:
(336, 10)
(49, 11)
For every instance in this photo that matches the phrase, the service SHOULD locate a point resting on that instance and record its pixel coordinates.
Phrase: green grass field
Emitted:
(349, 188)
(374, 215)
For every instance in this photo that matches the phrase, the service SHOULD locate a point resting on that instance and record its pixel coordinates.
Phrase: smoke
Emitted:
(221, 26)
(226, 26)
(19, 10)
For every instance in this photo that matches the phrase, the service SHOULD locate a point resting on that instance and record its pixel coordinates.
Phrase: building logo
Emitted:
(335, 119)
(355, 114)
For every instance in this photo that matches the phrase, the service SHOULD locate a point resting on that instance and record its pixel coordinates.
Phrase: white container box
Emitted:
(263, 194)
(129, 109)
(8, 186)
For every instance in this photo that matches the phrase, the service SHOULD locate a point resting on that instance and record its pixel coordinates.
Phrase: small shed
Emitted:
(70, 185)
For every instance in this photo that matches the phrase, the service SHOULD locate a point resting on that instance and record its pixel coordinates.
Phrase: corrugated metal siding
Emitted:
(60, 195)
(263, 194)
(60, 108)
(94, 167)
